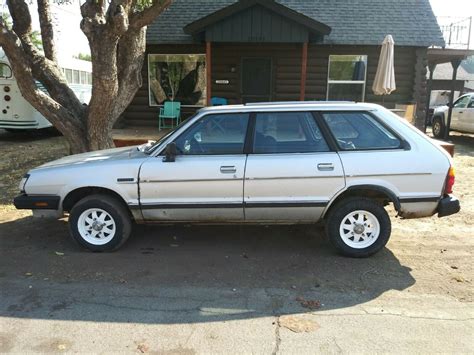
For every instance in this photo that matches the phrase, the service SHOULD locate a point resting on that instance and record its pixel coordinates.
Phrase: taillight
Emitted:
(448, 187)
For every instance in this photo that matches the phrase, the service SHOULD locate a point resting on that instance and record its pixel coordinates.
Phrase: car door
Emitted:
(458, 113)
(291, 172)
(205, 182)
(468, 118)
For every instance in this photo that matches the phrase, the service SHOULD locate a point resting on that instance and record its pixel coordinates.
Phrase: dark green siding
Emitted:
(257, 24)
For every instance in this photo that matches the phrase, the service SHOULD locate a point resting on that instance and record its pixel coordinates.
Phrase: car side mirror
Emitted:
(170, 153)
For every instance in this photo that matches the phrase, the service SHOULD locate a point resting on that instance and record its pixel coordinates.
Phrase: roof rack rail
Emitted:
(276, 103)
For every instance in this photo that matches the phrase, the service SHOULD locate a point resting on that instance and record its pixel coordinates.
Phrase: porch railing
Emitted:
(456, 31)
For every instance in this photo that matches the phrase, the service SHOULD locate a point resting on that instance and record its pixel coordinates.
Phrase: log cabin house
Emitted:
(282, 50)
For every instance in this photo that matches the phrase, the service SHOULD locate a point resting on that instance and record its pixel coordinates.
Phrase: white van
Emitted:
(17, 114)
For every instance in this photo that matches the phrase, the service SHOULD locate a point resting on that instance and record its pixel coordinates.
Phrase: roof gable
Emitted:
(248, 20)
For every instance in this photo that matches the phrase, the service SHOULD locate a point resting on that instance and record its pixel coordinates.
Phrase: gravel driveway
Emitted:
(187, 290)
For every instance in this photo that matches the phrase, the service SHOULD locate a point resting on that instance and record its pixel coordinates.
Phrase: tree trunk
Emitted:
(116, 32)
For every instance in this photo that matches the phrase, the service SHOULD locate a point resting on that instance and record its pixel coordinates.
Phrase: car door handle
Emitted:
(228, 169)
(460, 111)
(325, 167)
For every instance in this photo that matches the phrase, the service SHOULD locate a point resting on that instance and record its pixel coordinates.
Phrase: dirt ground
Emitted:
(186, 290)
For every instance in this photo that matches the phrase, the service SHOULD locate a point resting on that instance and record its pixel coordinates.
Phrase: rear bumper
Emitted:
(447, 206)
(41, 202)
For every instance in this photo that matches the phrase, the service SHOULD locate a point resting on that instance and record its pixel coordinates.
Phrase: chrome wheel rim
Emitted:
(436, 128)
(359, 229)
(96, 226)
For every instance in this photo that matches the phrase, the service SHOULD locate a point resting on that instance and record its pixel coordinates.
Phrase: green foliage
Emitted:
(143, 4)
(83, 56)
(36, 39)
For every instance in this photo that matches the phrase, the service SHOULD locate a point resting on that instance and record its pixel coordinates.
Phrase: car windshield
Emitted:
(152, 147)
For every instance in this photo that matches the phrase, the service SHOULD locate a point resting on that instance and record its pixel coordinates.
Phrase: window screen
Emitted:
(359, 130)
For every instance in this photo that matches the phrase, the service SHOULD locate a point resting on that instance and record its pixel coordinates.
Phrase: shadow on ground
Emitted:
(464, 144)
(184, 274)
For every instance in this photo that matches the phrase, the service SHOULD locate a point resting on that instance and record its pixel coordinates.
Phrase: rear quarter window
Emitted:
(360, 131)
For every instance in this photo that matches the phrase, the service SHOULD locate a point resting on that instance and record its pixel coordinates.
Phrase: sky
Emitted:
(71, 41)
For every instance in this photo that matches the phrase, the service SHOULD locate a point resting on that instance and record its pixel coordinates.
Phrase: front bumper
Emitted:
(39, 202)
(447, 206)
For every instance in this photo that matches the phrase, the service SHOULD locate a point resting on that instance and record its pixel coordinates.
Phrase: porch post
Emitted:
(304, 64)
(432, 68)
(455, 64)
(208, 73)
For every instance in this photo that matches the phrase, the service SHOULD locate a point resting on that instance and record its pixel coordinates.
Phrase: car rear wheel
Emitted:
(100, 223)
(358, 227)
(438, 127)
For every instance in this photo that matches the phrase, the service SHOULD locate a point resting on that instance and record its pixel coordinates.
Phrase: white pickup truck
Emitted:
(462, 116)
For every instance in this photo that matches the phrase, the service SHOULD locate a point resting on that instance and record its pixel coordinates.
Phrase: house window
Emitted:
(68, 75)
(346, 77)
(83, 77)
(177, 77)
(76, 76)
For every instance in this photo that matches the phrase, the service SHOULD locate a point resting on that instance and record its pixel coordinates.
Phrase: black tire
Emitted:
(117, 212)
(438, 127)
(337, 215)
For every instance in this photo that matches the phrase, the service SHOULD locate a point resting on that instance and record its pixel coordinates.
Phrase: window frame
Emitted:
(149, 55)
(10, 68)
(404, 145)
(250, 139)
(342, 82)
(202, 118)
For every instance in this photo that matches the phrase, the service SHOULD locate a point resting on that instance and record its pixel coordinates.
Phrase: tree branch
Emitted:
(21, 18)
(63, 119)
(42, 69)
(146, 16)
(47, 32)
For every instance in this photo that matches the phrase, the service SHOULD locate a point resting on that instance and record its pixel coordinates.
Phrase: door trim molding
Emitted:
(246, 204)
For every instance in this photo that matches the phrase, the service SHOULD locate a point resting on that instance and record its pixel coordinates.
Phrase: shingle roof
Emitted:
(353, 22)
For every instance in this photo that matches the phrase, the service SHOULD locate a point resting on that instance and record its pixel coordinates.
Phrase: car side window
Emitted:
(215, 134)
(461, 102)
(287, 132)
(360, 131)
(471, 103)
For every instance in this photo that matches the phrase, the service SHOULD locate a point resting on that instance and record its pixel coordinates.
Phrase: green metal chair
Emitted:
(171, 111)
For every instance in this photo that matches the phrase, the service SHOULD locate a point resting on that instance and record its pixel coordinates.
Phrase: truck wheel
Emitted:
(358, 227)
(438, 127)
(100, 223)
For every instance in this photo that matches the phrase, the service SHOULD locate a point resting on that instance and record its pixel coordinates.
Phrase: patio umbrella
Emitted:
(384, 82)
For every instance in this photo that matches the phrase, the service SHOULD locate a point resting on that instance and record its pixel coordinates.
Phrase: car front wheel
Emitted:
(438, 127)
(358, 227)
(100, 223)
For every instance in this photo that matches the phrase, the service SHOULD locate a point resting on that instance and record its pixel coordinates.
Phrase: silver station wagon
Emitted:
(337, 163)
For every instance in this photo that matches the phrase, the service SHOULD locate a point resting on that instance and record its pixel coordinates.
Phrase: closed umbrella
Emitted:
(384, 82)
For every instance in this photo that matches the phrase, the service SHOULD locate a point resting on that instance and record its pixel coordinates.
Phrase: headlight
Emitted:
(23, 181)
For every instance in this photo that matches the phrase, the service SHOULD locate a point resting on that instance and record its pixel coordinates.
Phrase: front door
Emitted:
(291, 174)
(205, 182)
(256, 79)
